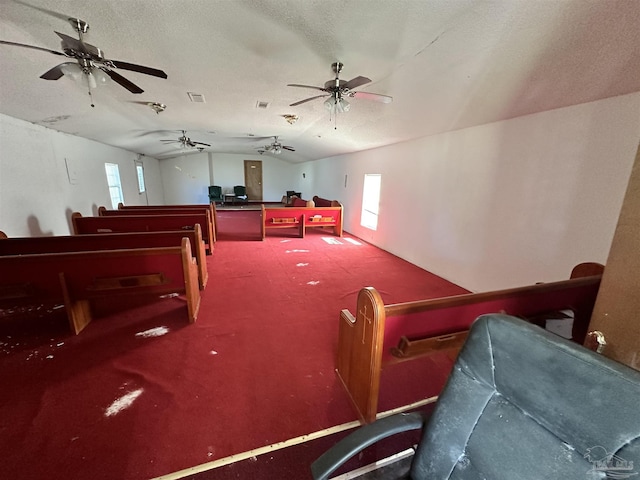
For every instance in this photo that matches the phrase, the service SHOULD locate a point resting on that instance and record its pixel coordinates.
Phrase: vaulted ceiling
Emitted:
(448, 64)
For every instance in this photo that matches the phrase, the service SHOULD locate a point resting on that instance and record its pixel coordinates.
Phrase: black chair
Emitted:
(215, 194)
(520, 403)
(241, 194)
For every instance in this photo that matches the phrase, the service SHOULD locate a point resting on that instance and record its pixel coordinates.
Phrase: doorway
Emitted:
(253, 179)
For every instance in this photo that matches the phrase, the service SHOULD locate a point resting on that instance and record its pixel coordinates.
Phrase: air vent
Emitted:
(196, 97)
(261, 104)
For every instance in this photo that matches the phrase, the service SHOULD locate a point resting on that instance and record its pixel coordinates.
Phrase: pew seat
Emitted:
(74, 279)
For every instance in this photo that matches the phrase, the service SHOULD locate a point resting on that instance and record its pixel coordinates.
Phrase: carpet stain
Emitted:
(153, 332)
(313, 282)
(122, 403)
(296, 251)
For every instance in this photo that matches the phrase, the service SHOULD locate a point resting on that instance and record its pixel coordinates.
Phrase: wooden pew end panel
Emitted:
(360, 343)
(78, 311)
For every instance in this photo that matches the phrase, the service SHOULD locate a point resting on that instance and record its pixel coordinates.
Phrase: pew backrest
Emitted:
(208, 223)
(111, 241)
(141, 223)
(210, 206)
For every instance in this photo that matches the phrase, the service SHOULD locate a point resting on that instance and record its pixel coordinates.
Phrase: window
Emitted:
(115, 188)
(370, 201)
(140, 175)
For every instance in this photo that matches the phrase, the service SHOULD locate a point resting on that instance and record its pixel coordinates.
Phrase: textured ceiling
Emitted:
(448, 64)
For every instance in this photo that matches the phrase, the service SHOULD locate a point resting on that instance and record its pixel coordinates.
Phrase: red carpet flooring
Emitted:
(140, 393)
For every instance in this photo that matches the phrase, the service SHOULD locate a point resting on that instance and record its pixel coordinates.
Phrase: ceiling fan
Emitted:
(186, 143)
(336, 90)
(275, 147)
(89, 61)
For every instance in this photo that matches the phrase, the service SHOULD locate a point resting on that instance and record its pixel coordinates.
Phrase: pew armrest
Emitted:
(364, 437)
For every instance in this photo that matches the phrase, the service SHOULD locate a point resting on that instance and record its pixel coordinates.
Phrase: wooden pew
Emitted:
(302, 218)
(110, 241)
(211, 206)
(380, 334)
(141, 223)
(74, 279)
(207, 227)
(324, 202)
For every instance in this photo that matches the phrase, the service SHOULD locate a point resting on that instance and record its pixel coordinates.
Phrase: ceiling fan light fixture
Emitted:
(337, 105)
(342, 105)
(72, 71)
(94, 76)
(97, 77)
(157, 107)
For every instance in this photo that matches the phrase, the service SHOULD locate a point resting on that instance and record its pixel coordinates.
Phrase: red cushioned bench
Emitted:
(302, 218)
(75, 279)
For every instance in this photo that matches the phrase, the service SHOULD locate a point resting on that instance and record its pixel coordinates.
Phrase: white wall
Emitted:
(499, 205)
(46, 175)
(186, 179)
(495, 206)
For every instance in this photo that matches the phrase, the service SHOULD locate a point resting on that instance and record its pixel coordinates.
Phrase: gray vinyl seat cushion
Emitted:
(522, 403)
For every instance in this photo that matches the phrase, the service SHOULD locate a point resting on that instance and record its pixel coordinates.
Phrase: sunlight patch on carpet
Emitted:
(353, 241)
(153, 332)
(332, 240)
(296, 251)
(301, 264)
(313, 282)
(122, 403)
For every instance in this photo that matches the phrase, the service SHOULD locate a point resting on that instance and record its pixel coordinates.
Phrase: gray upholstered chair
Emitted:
(215, 193)
(241, 193)
(521, 403)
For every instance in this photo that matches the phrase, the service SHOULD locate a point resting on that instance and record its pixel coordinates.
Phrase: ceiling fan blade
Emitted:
(55, 73)
(200, 143)
(376, 97)
(139, 68)
(306, 86)
(31, 46)
(286, 147)
(116, 77)
(307, 100)
(356, 82)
